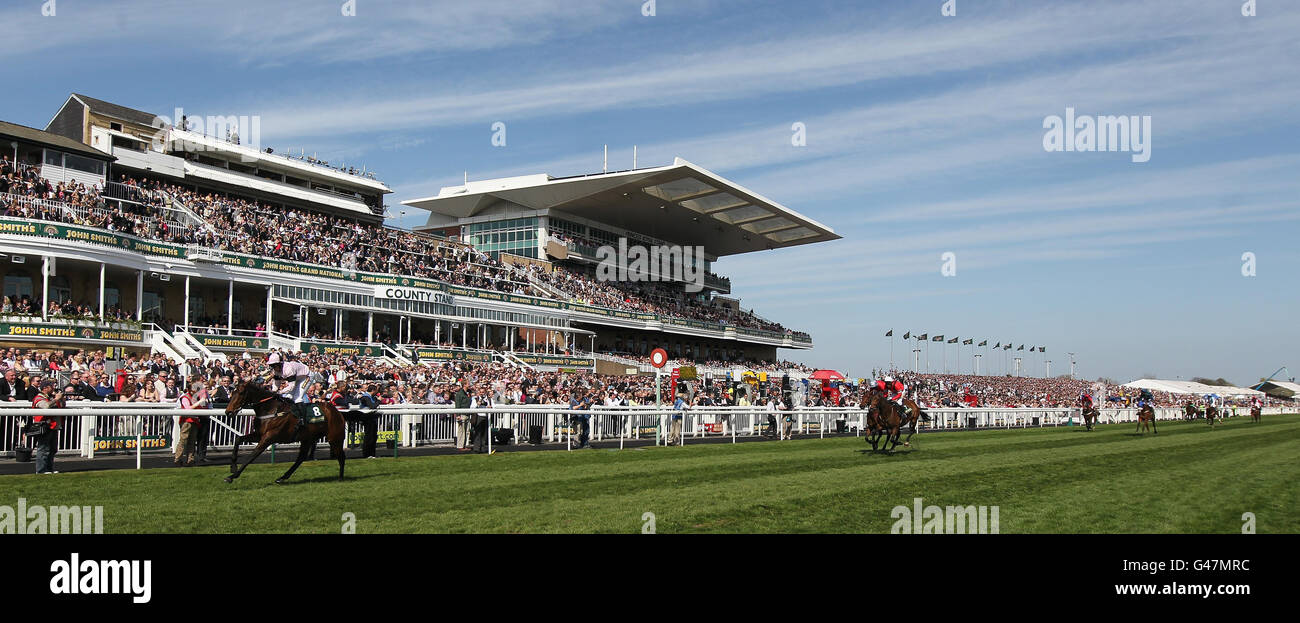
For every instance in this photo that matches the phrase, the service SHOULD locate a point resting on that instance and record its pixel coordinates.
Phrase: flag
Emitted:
(1022, 347)
(923, 336)
(1042, 349)
(889, 333)
(1033, 348)
(968, 342)
(938, 338)
(907, 336)
(984, 343)
(1007, 347)
(952, 341)
(998, 345)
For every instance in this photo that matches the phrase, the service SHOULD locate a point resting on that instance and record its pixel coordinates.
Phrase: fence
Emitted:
(98, 428)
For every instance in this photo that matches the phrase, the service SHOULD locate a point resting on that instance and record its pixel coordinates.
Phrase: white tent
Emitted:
(1191, 387)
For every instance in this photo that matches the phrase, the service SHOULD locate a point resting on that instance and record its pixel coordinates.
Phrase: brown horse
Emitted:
(1090, 415)
(1255, 414)
(276, 423)
(1189, 412)
(1211, 414)
(887, 418)
(918, 414)
(1147, 419)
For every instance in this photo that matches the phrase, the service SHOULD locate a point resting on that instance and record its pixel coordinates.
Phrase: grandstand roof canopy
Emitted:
(1190, 387)
(1280, 388)
(682, 203)
(13, 131)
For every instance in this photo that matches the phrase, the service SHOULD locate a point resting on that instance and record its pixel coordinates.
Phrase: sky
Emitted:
(924, 135)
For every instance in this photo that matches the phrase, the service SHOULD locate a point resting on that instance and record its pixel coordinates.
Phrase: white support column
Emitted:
(437, 331)
(139, 296)
(338, 324)
(370, 326)
(269, 291)
(102, 268)
(45, 286)
(230, 307)
(464, 335)
(186, 315)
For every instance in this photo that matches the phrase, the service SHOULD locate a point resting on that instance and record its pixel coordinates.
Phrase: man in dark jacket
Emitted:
(11, 388)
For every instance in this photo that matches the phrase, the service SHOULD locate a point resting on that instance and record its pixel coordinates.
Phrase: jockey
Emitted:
(1085, 400)
(1146, 399)
(894, 390)
(297, 379)
(1256, 402)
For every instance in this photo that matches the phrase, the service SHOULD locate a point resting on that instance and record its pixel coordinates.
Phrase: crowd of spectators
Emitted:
(965, 390)
(28, 306)
(655, 297)
(137, 207)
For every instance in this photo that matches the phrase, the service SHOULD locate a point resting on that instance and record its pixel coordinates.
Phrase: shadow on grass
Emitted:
(869, 452)
(297, 481)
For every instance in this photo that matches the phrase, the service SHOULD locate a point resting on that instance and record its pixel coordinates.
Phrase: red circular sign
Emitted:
(658, 357)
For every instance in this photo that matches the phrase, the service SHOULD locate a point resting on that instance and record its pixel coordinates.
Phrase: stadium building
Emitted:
(122, 231)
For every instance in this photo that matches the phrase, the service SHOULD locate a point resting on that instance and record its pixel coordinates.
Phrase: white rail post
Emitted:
(139, 423)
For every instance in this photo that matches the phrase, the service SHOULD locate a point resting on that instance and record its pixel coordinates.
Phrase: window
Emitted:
(111, 296)
(18, 286)
(89, 165)
(60, 290)
(196, 307)
(153, 307)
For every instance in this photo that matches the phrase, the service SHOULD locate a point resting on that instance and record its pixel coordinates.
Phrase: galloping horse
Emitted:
(1254, 414)
(887, 418)
(1211, 414)
(1147, 418)
(1190, 412)
(276, 422)
(1090, 416)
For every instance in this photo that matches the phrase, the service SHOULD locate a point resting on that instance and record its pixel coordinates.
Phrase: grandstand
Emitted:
(125, 233)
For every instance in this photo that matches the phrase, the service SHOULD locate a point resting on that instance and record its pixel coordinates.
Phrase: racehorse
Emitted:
(1147, 418)
(1211, 413)
(918, 414)
(1254, 414)
(1190, 412)
(1090, 416)
(885, 417)
(276, 423)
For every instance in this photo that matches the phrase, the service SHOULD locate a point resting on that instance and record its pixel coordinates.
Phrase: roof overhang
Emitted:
(193, 141)
(682, 203)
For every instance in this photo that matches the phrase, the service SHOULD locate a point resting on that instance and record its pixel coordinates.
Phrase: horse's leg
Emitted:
(1154, 430)
(303, 449)
(234, 454)
(261, 446)
(336, 445)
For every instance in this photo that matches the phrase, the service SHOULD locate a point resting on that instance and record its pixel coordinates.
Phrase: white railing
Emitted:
(88, 424)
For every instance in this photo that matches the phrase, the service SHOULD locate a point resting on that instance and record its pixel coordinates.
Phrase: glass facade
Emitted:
(517, 236)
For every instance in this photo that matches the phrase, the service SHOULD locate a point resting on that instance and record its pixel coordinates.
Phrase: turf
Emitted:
(1188, 479)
